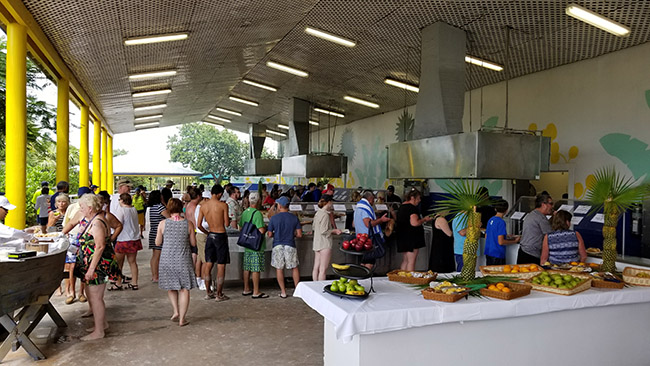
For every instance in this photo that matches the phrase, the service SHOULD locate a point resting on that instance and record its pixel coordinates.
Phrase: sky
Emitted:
(156, 146)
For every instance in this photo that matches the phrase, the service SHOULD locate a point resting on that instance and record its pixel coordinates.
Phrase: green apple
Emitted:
(334, 287)
(359, 288)
(343, 280)
(354, 282)
(567, 278)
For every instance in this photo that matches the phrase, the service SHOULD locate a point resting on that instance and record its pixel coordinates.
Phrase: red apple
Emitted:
(346, 245)
(358, 247)
(367, 246)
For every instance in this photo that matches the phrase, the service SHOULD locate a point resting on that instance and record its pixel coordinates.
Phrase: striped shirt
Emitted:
(563, 247)
(155, 217)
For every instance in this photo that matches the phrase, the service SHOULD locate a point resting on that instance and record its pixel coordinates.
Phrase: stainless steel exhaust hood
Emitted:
(254, 165)
(476, 154)
(442, 152)
(300, 163)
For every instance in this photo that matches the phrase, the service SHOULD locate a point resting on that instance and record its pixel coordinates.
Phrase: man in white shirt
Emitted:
(7, 233)
(123, 186)
(42, 206)
(234, 208)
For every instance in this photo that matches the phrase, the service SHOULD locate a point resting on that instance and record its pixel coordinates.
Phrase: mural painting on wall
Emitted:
(633, 152)
(405, 123)
(372, 173)
(491, 122)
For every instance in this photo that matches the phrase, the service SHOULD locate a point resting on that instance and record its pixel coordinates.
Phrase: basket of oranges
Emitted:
(523, 271)
(506, 290)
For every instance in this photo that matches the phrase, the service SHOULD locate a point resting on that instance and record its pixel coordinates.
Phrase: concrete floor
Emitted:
(240, 331)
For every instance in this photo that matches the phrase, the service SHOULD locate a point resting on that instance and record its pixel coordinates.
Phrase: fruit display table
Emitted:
(396, 326)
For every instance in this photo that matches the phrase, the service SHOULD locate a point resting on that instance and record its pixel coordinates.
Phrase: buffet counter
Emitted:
(396, 325)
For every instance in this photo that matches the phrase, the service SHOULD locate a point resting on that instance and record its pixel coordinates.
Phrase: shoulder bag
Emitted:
(250, 237)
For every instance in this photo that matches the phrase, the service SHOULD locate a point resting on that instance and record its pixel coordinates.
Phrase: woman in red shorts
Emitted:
(128, 242)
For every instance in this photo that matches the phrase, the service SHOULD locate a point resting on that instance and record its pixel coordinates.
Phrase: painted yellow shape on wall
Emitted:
(579, 189)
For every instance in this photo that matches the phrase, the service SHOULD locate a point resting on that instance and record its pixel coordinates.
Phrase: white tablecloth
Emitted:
(395, 306)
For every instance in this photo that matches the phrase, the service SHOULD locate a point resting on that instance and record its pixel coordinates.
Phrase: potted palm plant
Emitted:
(464, 198)
(615, 194)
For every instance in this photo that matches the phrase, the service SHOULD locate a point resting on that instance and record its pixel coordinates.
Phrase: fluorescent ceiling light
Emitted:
(147, 125)
(597, 20)
(150, 93)
(276, 133)
(483, 63)
(213, 123)
(314, 123)
(155, 39)
(284, 127)
(288, 69)
(261, 86)
(156, 74)
(361, 101)
(330, 37)
(240, 100)
(402, 85)
(149, 107)
(144, 118)
(219, 118)
(224, 110)
(331, 113)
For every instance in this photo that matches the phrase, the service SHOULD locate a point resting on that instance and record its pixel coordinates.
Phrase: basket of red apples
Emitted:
(361, 243)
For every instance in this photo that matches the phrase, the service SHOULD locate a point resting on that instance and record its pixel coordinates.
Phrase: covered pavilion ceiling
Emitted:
(232, 40)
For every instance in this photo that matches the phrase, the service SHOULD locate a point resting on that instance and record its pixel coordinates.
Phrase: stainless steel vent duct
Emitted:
(255, 165)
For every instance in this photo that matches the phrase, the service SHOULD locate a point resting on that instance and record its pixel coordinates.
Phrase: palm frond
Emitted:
(610, 186)
(464, 198)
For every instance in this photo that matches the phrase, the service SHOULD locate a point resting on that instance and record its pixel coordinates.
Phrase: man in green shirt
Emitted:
(254, 260)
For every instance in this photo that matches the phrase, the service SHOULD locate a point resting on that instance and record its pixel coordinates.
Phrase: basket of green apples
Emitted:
(560, 283)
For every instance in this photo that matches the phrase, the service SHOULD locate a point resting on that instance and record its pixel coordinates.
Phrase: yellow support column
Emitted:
(109, 171)
(104, 185)
(62, 131)
(84, 176)
(16, 123)
(97, 153)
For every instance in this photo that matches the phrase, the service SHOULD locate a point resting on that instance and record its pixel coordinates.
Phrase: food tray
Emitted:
(629, 276)
(342, 294)
(596, 282)
(583, 285)
(498, 271)
(430, 294)
(518, 290)
(393, 276)
(355, 272)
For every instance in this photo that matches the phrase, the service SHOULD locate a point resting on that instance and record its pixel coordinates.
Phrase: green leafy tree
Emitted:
(267, 154)
(206, 149)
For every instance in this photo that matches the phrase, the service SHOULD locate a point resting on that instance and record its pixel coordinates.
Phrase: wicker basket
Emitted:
(596, 282)
(431, 294)
(393, 276)
(583, 285)
(498, 271)
(630, 276)
(518, 290)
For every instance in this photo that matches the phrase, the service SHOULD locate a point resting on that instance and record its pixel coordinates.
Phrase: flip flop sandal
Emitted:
(222, 298)
(133, 287)
(261, 296)
(69, 300)
(247, 293)
(284, 297)
(209, 297)
(116, 288)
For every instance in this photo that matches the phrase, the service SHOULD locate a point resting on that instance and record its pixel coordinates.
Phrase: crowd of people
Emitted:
(189, 236)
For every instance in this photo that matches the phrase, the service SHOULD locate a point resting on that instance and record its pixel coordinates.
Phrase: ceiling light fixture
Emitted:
(147, 125)
(150, 93)
(276, 133)
(288, 69)
(149, 107)
(331, 113)
(361, 101)
(402, 85)
(155, 39)
(213, 123)
(261, 86)
(483, 63)
(155, 74)
(144, 118)
(219, 118)
(330, 37)
(224, 110)
(284, 127)
(244, 101)
(314, 123)
(597, 20)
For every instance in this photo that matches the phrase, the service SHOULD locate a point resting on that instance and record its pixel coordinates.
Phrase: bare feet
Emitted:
(93, 336)
(92, 329)
(174, 317)
(183, 323)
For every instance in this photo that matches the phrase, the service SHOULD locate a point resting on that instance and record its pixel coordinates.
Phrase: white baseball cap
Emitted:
(206, 194)
(4, 203)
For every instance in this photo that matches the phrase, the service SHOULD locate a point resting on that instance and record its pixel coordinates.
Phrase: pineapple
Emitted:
(465, 198)
(615, 194)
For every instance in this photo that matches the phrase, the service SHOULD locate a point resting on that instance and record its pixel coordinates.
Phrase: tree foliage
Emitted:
(204, 148)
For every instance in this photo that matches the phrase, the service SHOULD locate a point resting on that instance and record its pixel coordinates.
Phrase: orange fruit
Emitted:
(515, 267)
(525, 269)
(493, 288)
(533, 267)
(505, 289)
(515, 271)
(500, 285)
(574, 263)
(506, 268)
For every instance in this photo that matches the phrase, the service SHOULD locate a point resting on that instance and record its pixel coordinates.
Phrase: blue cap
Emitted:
(282, 201)
(83, 190)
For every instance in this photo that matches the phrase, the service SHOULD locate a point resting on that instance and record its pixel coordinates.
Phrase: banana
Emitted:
(340, 267)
